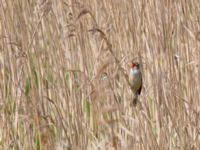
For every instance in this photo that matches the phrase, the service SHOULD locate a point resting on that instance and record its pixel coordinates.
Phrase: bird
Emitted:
(135, 79)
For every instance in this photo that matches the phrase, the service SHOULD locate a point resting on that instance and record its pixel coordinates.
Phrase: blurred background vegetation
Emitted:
(63, 69)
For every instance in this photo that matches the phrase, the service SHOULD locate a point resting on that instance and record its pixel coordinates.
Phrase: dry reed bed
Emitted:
(54, 56)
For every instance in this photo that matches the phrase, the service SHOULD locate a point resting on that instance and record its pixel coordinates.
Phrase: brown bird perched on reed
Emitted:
(135, 79)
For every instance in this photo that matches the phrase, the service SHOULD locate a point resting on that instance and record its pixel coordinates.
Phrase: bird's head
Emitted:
(135, 65)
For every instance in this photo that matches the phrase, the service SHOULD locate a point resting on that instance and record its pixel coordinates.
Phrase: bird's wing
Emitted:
(140, 89)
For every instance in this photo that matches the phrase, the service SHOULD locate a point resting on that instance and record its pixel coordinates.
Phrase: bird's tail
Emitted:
(135, 99)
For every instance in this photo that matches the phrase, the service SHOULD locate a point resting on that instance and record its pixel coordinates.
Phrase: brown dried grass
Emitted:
(64, 83)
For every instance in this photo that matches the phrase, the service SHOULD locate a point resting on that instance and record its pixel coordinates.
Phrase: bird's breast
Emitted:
(135, 79)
